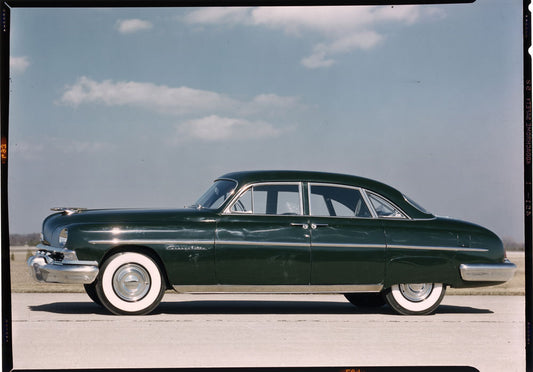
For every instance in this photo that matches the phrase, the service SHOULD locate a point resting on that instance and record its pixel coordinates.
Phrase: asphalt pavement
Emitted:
(69, 331)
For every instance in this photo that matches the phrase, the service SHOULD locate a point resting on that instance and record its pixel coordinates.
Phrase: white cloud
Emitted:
(169, 100)
(210, 108)
(214, 128)
(341, 29)
(322, 53)
(18, 64)
(160, 98)
(218, 16)
(317, 59)
(129, 26)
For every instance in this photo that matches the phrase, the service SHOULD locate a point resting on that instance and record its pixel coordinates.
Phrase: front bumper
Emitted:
(488, 272)
(45, 266)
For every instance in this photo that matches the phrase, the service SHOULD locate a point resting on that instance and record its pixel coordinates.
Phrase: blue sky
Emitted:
(145, 107)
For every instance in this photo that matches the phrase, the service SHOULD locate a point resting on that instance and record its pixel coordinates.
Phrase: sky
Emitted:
(144, 107)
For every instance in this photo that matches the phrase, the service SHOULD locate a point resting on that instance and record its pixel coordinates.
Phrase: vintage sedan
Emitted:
(272, 232)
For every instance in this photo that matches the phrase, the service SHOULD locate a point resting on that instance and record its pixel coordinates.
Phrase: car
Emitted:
(272, 232)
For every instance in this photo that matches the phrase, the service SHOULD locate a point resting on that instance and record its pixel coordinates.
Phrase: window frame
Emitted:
(364, 193)
(405, 215)
(228, 209)
(361, 191)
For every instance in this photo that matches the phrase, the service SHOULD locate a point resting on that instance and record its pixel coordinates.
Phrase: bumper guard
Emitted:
(43, 268)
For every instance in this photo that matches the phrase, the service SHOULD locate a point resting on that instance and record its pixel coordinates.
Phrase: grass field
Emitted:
(22, 282)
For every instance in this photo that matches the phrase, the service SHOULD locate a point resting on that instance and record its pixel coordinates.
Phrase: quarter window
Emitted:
(337, 201)
(384, 208)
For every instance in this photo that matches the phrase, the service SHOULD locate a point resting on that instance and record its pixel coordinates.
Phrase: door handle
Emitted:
(314, 226)
(303, 225)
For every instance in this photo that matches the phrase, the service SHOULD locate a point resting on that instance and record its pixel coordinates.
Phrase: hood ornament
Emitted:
(68, 211)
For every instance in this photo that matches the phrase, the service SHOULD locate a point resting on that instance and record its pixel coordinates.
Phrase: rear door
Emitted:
(347, 243)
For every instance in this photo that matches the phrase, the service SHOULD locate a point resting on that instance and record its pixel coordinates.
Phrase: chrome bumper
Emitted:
(488, 272)
(43, 268)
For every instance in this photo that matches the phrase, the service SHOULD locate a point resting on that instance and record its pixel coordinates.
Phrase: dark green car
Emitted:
(272, 232)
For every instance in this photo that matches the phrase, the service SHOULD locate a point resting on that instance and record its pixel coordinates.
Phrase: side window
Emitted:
(384, 208)
(275, 199)
(337, 201)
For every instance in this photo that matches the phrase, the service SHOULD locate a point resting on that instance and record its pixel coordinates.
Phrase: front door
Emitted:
(263, 238)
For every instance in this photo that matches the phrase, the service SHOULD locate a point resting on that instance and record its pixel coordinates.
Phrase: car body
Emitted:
(272, 232)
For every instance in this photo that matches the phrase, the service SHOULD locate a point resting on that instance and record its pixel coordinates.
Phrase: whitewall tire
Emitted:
(130, 283)
(415, 299)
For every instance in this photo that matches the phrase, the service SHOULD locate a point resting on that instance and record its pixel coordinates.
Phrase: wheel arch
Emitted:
(426, 268)
(150, 252)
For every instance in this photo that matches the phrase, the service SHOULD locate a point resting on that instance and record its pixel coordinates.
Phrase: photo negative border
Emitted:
(6, 6)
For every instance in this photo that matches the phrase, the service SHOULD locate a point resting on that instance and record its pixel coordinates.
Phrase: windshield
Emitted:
(217, 194)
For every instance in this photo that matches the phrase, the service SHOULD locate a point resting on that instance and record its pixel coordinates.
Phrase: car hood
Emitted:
(75, 216)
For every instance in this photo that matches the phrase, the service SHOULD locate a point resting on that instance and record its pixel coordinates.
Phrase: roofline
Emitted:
(244, 178)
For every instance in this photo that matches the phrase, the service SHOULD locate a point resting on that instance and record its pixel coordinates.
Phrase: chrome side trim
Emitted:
(304, 288)
(502, 272)
(432, 248)
(275, 244)
(333, 245)
(117, 231)
(151, 241)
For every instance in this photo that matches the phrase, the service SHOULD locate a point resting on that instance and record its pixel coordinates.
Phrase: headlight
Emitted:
(63, 236)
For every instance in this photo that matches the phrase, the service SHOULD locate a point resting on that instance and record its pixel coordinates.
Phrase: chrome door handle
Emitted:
(314, 226)
(303, 225)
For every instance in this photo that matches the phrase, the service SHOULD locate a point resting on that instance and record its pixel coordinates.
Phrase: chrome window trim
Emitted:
(361, 191)
(227, 209)
(406, 216)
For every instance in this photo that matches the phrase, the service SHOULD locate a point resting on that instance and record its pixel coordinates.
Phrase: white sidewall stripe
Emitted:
(155, 285)
(417, 306)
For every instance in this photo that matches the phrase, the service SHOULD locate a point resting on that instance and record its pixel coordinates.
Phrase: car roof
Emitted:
(244, 178)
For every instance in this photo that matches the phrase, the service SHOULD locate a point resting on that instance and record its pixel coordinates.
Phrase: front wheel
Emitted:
(130, 283)
(91, 292)
(415, 299)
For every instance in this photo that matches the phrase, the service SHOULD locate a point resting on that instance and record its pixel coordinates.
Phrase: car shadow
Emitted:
(86, 308)
(228, 307)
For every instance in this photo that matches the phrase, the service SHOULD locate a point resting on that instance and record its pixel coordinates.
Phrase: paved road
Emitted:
(67, 330)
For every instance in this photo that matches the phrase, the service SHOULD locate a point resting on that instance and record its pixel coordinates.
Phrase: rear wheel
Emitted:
(130, 283)
(365, 299)
(415, 299)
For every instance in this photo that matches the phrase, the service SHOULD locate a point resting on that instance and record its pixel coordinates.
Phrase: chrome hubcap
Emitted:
(131, 282)
(416, 292)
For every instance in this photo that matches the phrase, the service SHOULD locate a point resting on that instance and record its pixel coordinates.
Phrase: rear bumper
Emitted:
(488, 272)
(43, 268)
